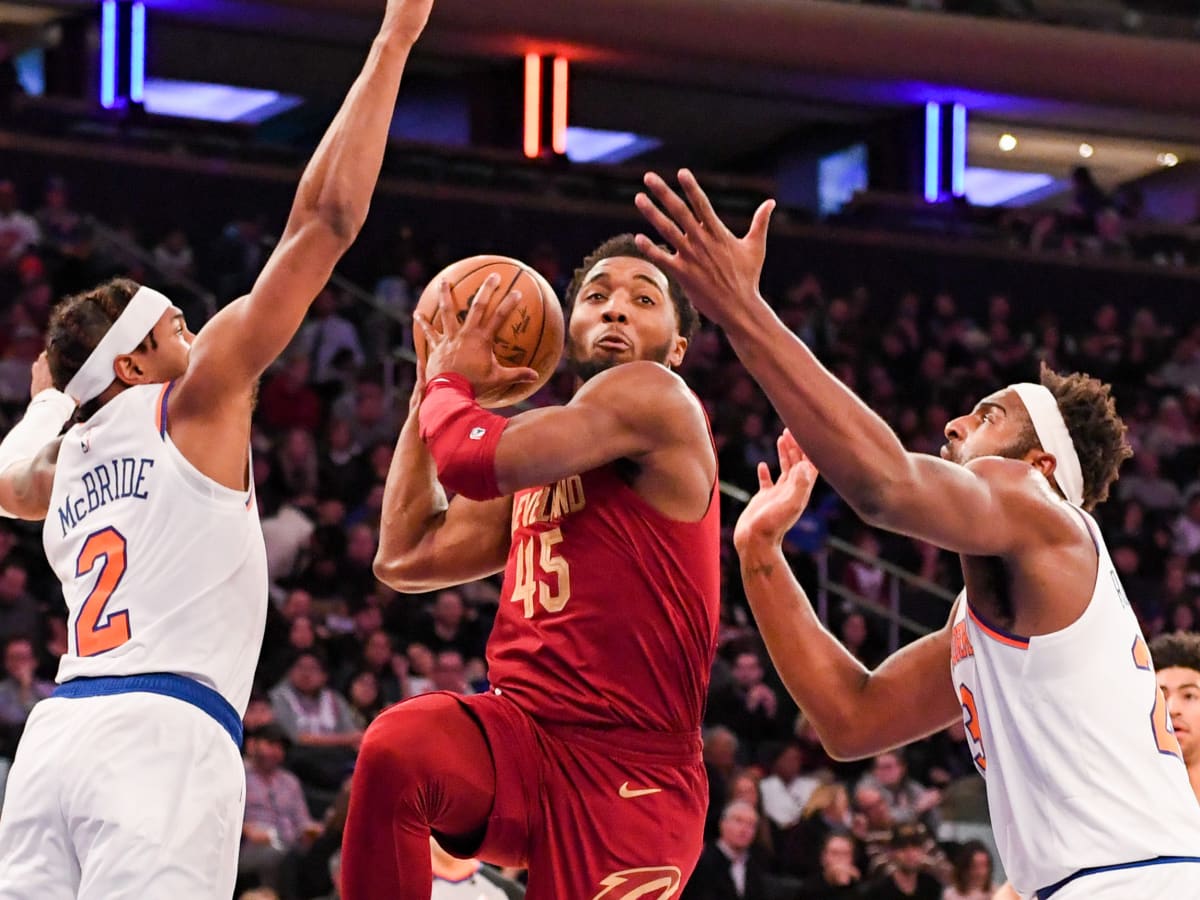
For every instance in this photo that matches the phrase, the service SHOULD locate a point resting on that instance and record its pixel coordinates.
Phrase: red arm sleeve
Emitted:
(462, 436)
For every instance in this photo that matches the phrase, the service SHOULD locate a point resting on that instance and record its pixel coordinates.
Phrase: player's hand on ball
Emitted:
(468, 348)
(777, 505)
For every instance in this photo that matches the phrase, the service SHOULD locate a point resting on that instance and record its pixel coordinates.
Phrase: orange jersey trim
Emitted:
(998, 634)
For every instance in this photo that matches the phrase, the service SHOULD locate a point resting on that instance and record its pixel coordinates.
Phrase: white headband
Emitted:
(125, 335)
(1054, 437)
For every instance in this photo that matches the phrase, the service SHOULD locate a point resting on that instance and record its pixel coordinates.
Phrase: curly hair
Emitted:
(77, 325)
(1097, 431)
(1180, 649)
(624, 245)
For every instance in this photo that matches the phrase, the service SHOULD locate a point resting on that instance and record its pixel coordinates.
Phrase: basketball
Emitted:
(531, 336)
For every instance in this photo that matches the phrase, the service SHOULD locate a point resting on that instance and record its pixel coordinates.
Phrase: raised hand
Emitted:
(468, 348)
(777, 505)
(718, 270)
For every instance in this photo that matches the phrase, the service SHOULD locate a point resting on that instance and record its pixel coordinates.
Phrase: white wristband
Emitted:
(43, 420)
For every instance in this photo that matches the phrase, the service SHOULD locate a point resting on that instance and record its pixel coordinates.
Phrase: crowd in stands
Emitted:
(785, 820)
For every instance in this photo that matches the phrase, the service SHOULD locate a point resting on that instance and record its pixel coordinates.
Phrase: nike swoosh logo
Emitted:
(629, 793)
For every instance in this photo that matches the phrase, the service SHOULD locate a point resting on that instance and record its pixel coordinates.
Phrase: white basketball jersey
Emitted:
(162, 569)
(1072, 734)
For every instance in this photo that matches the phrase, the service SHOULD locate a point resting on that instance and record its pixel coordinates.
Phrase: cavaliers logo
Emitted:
(652, 883)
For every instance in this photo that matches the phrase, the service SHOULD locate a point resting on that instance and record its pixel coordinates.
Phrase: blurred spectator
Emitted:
(20, 615)
(277, 821)
(60, 225)
(720, 762)
(973, 877)
(286, 400)
(748, 705)
(905, 875)
(839, 878)
(786, 791)
(447, 627)
(727, 870)
(449, 673)
(907, 800)
(329, 340)
(317, 720)
(20, 691)
(174, 258)
(19, 231)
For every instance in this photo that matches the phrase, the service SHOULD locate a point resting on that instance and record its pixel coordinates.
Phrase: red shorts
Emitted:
(592, 813)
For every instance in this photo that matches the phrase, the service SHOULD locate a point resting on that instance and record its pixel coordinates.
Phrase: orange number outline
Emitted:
(93, 637)
(1160, 721)
(972, 725)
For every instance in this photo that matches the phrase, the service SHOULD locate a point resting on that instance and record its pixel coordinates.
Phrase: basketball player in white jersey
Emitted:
(128, 782)
(1043, 657)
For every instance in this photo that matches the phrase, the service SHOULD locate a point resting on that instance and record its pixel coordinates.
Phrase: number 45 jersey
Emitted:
(609, 611)
(1072, 734)
(162, 569)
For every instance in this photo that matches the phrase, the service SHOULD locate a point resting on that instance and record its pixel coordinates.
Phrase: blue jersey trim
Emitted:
(166, 684)
(1047, 892)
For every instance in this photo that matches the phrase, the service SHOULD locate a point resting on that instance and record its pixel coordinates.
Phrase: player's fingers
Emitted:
(500, 311)
(671, 202)
(761, 221)
(518, 375)
(671, 233)
(432, 336)
(485, 297)
(699, 202)
(447, 314)
(764, 476)
(659, 257)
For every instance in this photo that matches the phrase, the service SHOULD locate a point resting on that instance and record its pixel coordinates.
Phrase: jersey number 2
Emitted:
(93, 636)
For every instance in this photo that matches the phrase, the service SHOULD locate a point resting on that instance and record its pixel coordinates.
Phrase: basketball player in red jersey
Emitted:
(583, 760)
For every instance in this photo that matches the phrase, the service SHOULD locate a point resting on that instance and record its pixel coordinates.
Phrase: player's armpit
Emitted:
(25, 487)
(623, 413)
(990, 506)
(468, 541)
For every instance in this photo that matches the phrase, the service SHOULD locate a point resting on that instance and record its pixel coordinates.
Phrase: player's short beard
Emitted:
(586, 369)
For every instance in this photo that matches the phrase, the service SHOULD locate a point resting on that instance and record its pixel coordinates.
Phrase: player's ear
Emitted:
(677, 352)
(128, 370)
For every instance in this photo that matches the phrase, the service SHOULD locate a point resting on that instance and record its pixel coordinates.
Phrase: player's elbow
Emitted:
(406, 573)
(339, 221)
(847, 747)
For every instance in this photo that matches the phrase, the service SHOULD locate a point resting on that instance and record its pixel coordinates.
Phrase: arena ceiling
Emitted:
(761, 69)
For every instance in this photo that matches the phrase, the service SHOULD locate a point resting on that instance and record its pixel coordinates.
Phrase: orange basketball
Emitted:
(531, 336)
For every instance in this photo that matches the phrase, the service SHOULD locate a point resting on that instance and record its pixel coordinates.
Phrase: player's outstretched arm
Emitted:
(856, 712)
(978, 510)
(331, 204)
(425, 542)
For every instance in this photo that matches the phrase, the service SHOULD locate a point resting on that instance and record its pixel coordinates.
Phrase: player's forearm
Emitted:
(413, 505)
(854, 448)
(824, 679)
(339, 180)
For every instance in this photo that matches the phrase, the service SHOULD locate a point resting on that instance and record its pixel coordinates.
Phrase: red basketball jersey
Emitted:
(609, 611)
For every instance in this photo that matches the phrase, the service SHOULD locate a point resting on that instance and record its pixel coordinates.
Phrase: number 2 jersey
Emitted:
(609, 612)
(162, 569)
(1072, 734)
